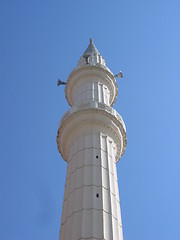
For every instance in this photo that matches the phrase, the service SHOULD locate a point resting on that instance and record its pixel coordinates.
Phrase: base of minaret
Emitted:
(91, 207)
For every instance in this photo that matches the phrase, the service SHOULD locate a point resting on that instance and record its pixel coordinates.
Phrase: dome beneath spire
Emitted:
(91, 56)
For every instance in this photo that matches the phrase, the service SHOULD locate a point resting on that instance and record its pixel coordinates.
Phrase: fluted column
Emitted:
(91, 197)
(92, 91)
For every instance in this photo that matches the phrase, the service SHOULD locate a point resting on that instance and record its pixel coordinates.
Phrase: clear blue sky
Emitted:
(43, 40)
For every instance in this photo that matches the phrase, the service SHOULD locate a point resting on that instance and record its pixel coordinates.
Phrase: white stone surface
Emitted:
(91, 138)
(84, 181)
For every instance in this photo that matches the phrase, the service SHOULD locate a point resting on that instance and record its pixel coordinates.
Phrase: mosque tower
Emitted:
(91, 139)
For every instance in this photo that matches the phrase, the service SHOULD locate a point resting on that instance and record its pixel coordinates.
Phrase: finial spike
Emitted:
(91, 40)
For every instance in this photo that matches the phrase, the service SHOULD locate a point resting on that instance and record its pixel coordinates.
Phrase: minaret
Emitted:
(91, 139)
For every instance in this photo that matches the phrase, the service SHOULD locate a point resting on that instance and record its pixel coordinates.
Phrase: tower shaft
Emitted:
(91, 208)
(91, 138)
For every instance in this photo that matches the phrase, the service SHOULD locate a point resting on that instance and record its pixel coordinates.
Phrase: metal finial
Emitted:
(91, 40)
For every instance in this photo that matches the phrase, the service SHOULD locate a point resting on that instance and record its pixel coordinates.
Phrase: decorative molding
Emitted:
(97, 109)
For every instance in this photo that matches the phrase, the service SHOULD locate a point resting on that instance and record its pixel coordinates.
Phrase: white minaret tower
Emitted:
(91, 139)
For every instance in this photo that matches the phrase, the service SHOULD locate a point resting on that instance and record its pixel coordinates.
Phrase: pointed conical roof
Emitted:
(91, 49)
(91, 56)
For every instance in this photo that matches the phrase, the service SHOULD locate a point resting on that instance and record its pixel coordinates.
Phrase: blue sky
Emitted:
(42, 41)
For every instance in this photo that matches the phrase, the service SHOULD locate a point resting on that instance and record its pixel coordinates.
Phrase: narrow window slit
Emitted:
(97, 195)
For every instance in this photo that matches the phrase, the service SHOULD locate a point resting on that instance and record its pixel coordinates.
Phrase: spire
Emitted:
(91, 49)
(91, 56)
